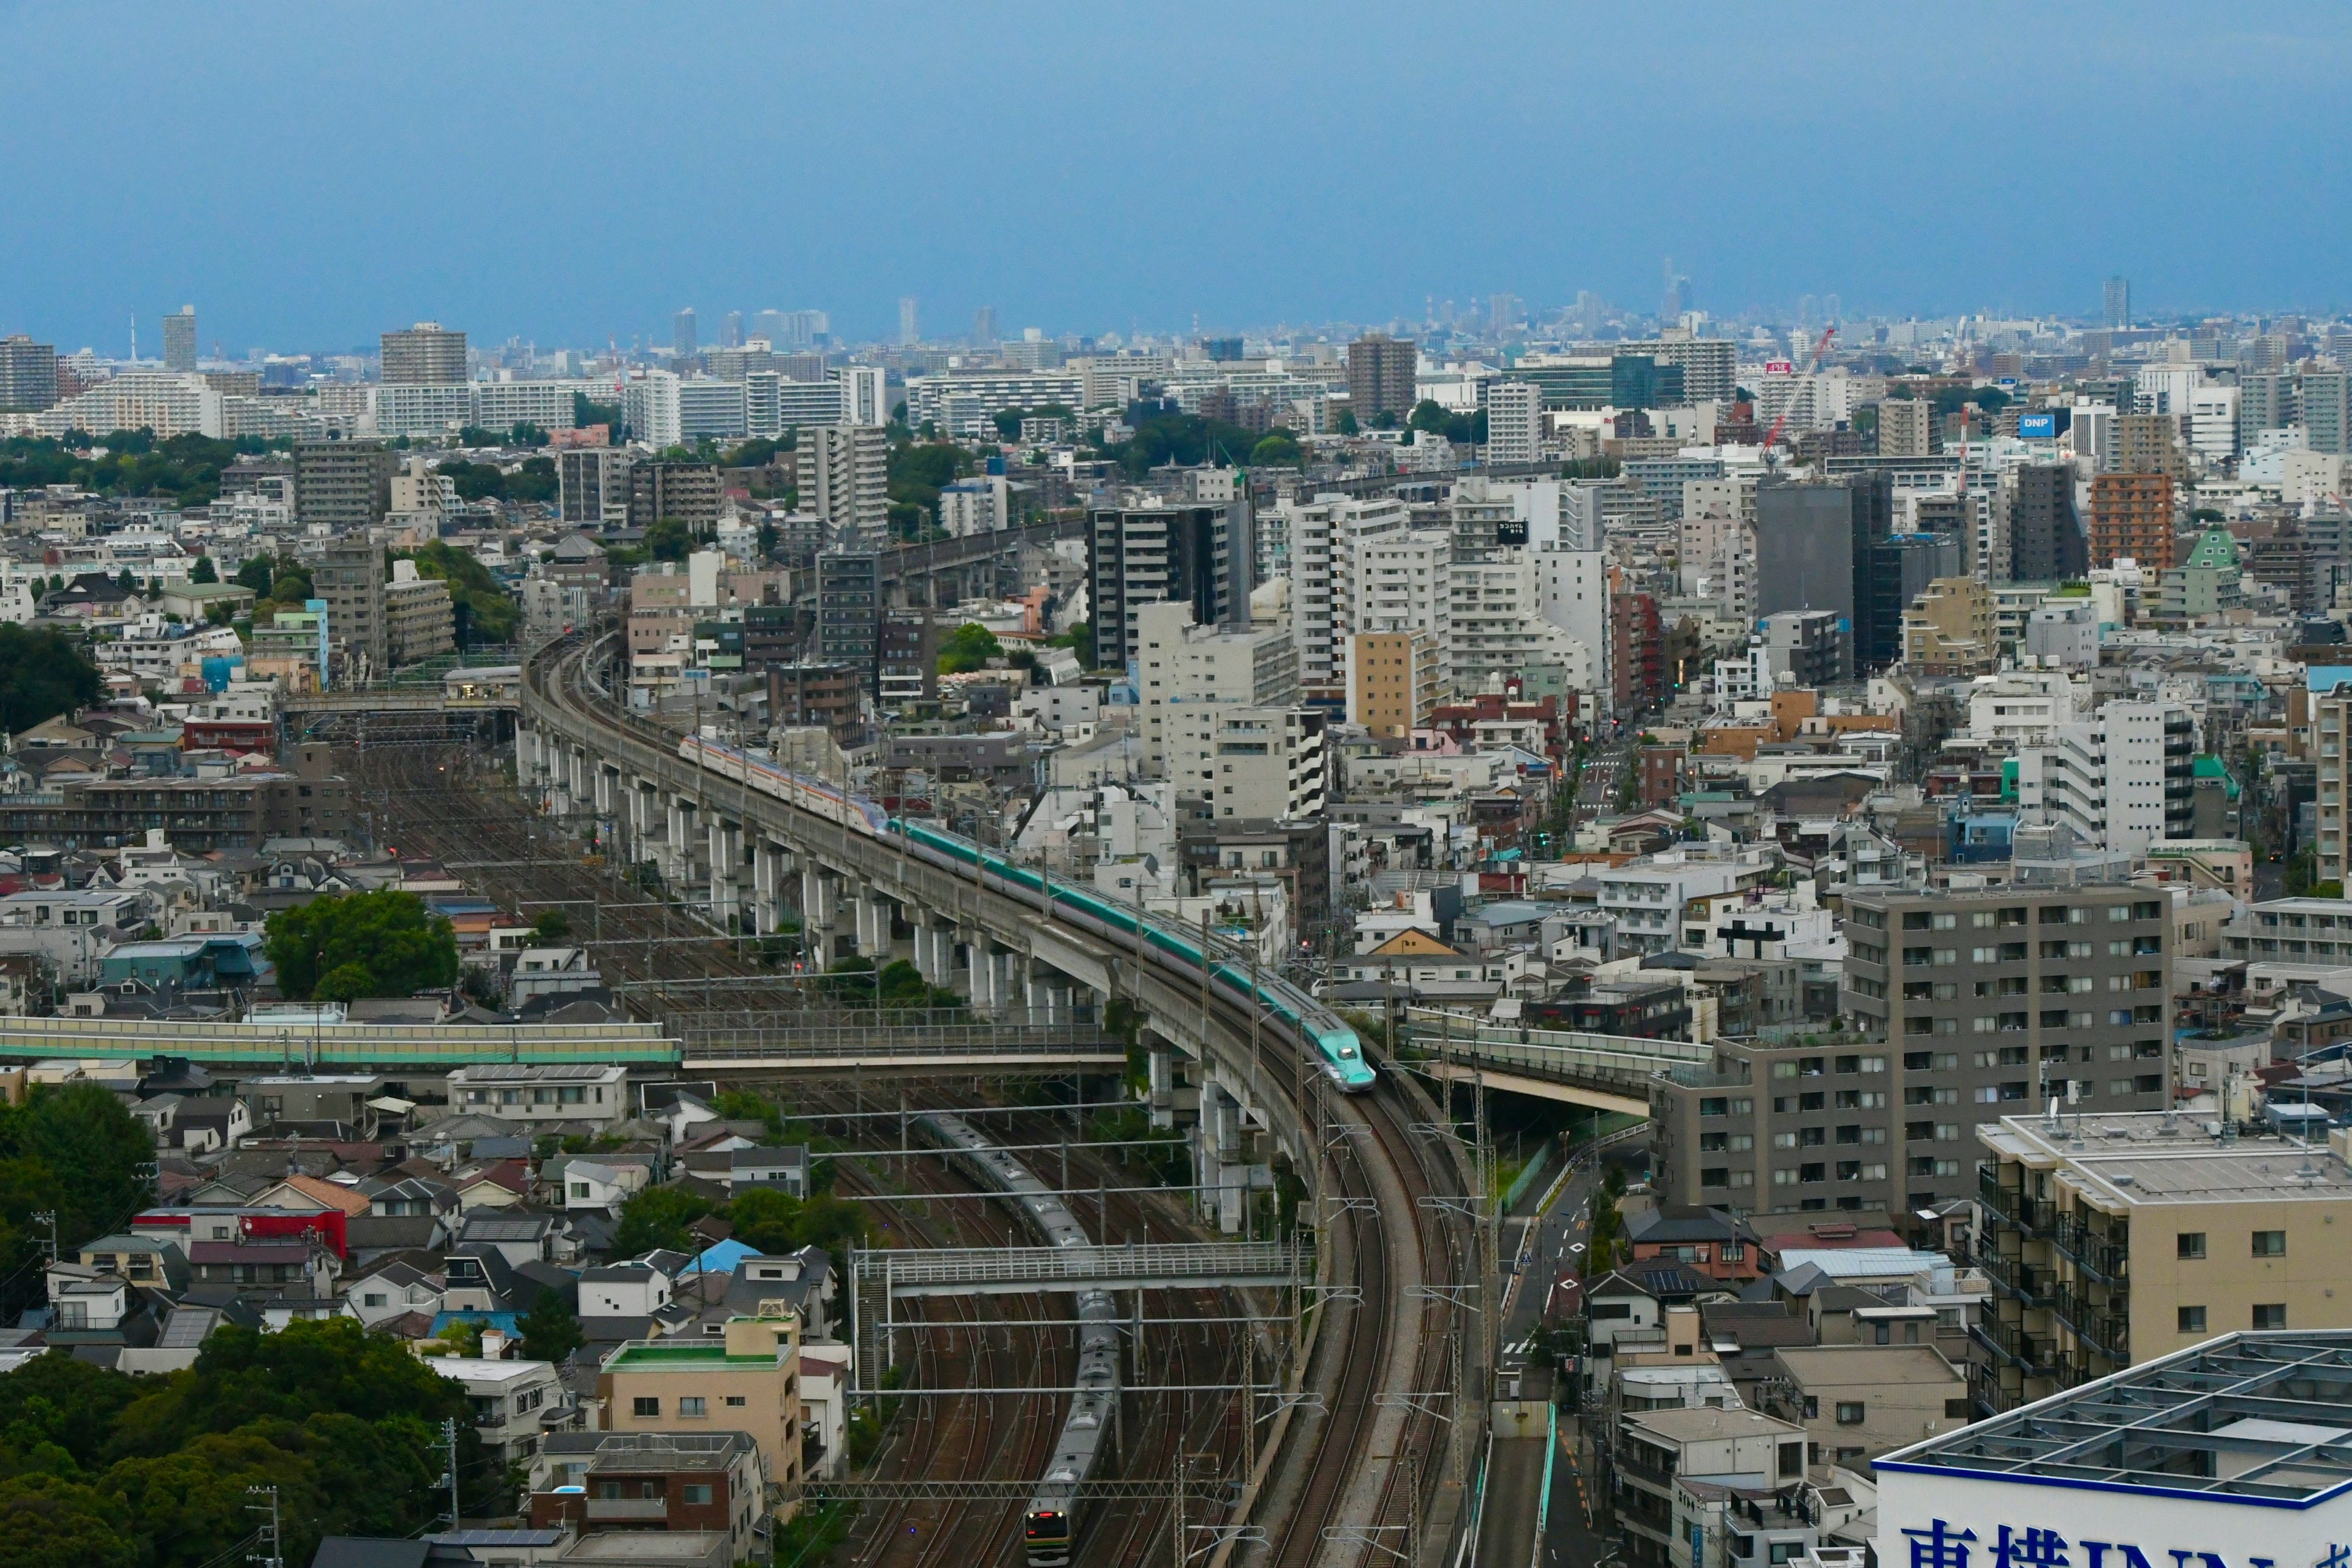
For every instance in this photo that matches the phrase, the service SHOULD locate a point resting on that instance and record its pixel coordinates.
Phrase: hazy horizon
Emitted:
(309, 179)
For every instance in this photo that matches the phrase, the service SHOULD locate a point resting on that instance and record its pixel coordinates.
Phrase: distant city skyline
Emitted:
(311, 179)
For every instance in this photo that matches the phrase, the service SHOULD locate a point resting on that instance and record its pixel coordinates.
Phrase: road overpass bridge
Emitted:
(1603, 1072)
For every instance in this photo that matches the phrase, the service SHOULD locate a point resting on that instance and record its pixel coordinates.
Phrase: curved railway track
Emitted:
(1384, 1360)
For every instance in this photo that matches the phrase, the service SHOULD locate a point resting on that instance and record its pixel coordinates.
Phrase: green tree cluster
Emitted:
(42, 674)
(587, 411)
(73, 1152)
(1607, 1243)
(900, 984)
(185, 468)
(102, 1470)
(669, 539)
(204, 571)
(550, 1330)
(485, 611)
(969, 647)
(918, 472)
(531, 483)
(1080, 637)
(1462, 429)
(762, 1217)
(282, 583)
(1164, 433)
(1277, 449)
(381, 944)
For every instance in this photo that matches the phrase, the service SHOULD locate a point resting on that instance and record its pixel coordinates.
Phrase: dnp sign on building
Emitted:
(2237, 1454)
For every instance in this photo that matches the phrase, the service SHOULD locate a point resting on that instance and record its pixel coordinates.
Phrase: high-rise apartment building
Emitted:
(864, 394)
(419, 619)
(2267, 400)
(687, 493)
(1399, 580)
(349, 578)
(28, 375)
(1318, 539)
(1181, 663)
(1382, 373)
(1637, 649)
(1969, 1003)
(2327, 410)
(1514, 422)
(2331, 745)
(180, 341)
(909, 328)
(1804, 549)
(1709, 366)
(1154, 553)
(1907, 428)
(682, 341)
(849, 613)
(424, 355)
(2125, 779)
(2150, 443)
(2046, 535)
(2131, 515)
(845, 478)
(984, 332)
(593, 486)
(731, 330)
(342, 485)
(1901, 566)
(1394, 681)
(2116, 302)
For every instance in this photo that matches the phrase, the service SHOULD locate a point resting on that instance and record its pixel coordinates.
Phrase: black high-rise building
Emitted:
(2045, 534)
(1141, 555)
(1900, 569)
(849, 613)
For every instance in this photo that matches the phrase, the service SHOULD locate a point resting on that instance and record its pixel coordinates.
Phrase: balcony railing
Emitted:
(2105, 1260)
(2034, 1354)
(2098, 1325)
(2017, 1277)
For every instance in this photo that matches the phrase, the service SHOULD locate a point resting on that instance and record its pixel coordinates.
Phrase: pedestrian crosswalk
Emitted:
(1519, 1349)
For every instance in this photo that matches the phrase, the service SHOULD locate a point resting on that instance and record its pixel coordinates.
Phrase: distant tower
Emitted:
(681, 333)
(180, 341)
(1678, 295)
(2118, 301)
(1832, 310)
(731, 330)
(908, 335)
(983, 326)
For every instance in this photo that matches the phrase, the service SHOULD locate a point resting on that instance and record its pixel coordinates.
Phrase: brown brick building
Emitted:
(2131, 514)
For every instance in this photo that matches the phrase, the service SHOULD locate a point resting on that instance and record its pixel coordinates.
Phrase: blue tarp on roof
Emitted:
(719, 1257)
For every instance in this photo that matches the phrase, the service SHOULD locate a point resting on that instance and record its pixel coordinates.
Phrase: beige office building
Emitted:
(2116, 1238)
(747, 1381)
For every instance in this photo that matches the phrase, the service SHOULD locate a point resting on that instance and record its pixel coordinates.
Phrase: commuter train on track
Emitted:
(1338, 1050)
(1089, 1434)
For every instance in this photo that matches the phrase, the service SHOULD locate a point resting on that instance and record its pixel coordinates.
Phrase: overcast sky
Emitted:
(308, 175)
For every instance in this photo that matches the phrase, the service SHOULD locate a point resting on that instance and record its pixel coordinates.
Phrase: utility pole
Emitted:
(449, 1448)
(1176, 1509)
(270, 1555)
(48, 1218)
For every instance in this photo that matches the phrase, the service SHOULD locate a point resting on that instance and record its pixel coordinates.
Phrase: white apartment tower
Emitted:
(1321, 537)
(1181, 663)
(2125, 779)
(1514, 422)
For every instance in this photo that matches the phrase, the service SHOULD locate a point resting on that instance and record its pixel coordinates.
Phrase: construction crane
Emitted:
(1820, 349)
